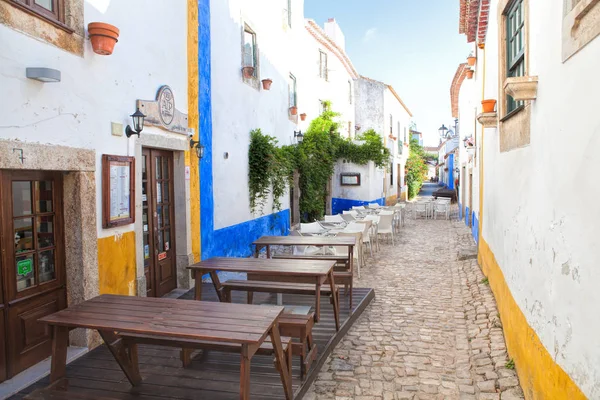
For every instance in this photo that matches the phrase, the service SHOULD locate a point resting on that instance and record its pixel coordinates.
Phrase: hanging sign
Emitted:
(162, 112)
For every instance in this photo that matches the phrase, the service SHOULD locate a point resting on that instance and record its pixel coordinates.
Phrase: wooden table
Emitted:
(307, 271)
(173, 319)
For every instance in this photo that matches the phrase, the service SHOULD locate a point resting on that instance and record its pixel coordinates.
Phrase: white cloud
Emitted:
(369, 34)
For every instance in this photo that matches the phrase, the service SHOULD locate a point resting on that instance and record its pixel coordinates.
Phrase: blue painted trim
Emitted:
(451, 171)
(475, 228)
(467, 216)
(205, 128)
(460, 216)
(338, 205)
(236, 240)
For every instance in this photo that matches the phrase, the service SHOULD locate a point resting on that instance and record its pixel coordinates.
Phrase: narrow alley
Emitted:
(432, 331)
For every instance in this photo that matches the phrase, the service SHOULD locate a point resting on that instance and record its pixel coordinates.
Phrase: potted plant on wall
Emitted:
(471, 60)
(294, 110)
(248, 72)
(470, 73)
(267, 84)
(303, 116)
(103, 37)
(488, 106)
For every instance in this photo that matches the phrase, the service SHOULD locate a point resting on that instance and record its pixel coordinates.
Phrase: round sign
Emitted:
(166, 105)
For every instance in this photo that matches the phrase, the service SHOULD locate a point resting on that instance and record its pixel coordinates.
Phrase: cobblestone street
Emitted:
(432, 331)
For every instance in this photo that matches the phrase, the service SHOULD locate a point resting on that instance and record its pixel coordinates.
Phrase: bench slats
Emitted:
(274, 287)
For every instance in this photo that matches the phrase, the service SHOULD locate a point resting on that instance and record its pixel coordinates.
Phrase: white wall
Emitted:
(238, 107)
(393, 107)
(95, 90)
(371, 182)
(312, 89)
(541, 201)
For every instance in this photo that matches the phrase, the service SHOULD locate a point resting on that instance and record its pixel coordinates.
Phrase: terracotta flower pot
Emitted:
(470, 74)
(488, 105)
(294, 110)
(103, 37)
(267, 84)
(303, 116)
(248, 72)
(471, 60)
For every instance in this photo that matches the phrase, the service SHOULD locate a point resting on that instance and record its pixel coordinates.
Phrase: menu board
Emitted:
(118, 185)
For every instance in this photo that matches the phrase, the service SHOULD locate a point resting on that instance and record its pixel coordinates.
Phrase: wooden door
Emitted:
(33, 267)
(2, 316)
(158, 222)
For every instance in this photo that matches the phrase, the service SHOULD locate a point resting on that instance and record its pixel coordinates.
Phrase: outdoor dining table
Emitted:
(115, 316)
(311, 271)
(319, 241)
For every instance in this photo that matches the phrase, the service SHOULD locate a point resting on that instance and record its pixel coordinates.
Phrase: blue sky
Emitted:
(412, 45)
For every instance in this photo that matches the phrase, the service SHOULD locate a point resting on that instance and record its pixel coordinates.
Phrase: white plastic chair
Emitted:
(441, 207)
(385, 226)
(349, 217)
(374, 229)
(343, 250)
(358, 208)
(305, 250)
(311, 228)
(420, 207)
(366, 239)
(335, 219)
(374, 206)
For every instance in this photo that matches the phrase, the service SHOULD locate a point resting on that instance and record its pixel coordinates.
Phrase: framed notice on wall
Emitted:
(350, 179)
(118, 190)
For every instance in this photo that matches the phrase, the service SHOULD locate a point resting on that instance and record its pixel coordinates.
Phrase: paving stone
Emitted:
(432, 331)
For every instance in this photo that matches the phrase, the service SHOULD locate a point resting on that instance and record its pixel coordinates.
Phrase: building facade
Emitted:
(88, 210)
(537, 236)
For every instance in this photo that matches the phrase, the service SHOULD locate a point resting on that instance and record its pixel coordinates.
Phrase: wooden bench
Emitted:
(341, 272)
(300, 326)
(189, 345)
(269, 286)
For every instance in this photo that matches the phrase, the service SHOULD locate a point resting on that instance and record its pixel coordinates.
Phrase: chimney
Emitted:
(333, 30)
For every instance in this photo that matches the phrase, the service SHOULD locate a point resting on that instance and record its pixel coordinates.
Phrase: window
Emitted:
(322, 65)
(391, 125)
(249, 55)
(515, 42)
(392, 174)
(51, 10)
(292, 91)
(287, 12)
(580, 25)
(350, 92)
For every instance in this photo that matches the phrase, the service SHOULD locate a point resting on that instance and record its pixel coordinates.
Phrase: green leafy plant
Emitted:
(485, 281)
(271, 168)
(510, 364)
(416, 168)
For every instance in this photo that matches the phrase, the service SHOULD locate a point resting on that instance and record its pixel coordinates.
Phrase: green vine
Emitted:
(272, 167)
(416, 168)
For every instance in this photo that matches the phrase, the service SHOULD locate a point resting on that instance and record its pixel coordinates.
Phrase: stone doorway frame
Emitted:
(79, 202)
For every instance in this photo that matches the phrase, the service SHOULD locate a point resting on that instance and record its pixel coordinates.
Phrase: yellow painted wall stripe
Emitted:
(116, 264)
(193, 120)
(540, 376)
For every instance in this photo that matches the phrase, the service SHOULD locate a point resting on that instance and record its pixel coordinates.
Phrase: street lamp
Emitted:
(443, 131)
(138, 124)
(298, 136)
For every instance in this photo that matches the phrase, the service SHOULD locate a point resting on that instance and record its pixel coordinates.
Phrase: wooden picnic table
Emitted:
(113, 316)
(307, 271)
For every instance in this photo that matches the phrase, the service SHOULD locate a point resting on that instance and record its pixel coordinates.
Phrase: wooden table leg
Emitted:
(284, 372)
(335, 302)
(245, 374)
(351, 255)
(318, 301)
(198, 285)
(124, 355)
(214, 277)
(60, 342)
(268, 251)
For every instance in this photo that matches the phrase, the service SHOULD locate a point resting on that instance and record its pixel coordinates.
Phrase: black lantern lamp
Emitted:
(138, 124)
(199, 148)
(443, 131)
(298, 136)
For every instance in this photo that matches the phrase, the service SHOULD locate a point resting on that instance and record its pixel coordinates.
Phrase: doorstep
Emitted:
(33, 374)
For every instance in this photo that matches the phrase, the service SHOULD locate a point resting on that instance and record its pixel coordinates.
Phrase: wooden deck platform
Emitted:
(212, 375)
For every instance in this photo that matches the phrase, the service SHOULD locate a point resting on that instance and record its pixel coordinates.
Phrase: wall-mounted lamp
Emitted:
(138, 124)
(298, 136)
(44, 75)
(199, 148)
(357, 127)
